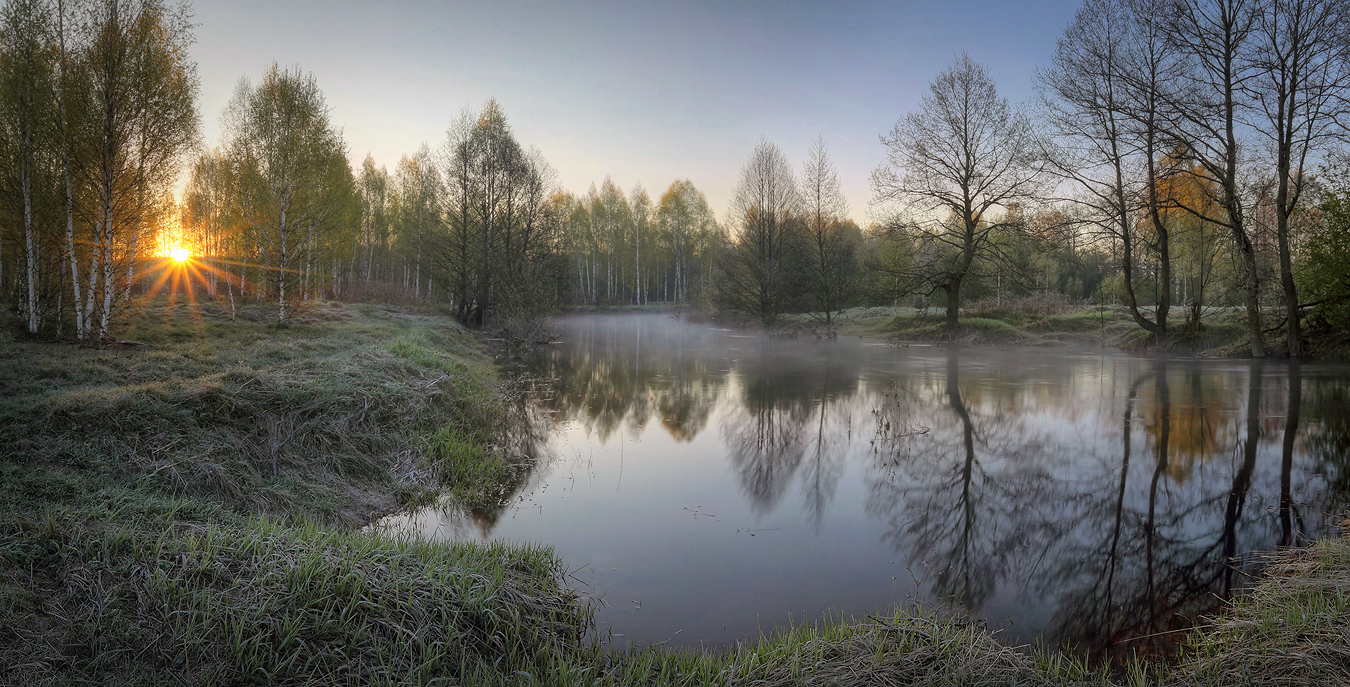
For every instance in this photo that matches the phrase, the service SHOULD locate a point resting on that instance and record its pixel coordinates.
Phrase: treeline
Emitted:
(98, 110)
(1183, 138)
(1180, 155)
(478, 223)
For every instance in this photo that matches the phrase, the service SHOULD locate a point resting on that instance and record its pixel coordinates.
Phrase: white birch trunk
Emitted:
(281, 275)
(30, 247)
(108, 287)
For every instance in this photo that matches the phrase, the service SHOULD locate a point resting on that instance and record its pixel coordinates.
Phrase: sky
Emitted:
(642, 92)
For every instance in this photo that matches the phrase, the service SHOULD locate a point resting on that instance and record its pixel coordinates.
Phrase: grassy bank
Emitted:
(189, 509)
(184, 508)
(1053, 324)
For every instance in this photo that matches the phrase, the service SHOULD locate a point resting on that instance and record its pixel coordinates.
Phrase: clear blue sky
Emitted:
(642, 91)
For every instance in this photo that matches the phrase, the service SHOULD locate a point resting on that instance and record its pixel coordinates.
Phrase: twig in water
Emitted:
(1171, 632)
(896, 628)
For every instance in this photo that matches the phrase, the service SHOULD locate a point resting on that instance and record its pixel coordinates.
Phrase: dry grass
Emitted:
(1293, 629)
(335, 414)
(271, 604)
(180, 511)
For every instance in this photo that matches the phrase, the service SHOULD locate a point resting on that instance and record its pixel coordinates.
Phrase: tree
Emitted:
(141, 121)
(211, 208)
(495, 161)
(501, 229)
(26, 67)
(760, 269)
(1299, 56)
(1102, 99)
(1325, 273)
(641, 205)
(612, 219)
(1213, 36)
(454, 248)
(833, 252)
(686, 228)
(418, 197)
(964, 153)
(374, 184)
(282, 142)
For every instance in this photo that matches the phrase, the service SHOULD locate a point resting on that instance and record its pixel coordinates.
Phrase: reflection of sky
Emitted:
(704, 488)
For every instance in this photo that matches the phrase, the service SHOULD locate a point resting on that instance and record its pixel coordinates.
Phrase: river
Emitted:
(709, 485)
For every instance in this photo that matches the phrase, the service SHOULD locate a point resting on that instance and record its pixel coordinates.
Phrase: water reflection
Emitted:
(961, 499)
(709, 483)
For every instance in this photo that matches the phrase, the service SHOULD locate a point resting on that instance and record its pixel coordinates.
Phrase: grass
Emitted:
(1064, 324)
(191, 511)
(184, 510)
(1293, 629)
(332, 413)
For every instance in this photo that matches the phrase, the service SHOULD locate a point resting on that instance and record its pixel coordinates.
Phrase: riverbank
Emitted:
(185, 507)
(1223, 333)
(189, 508)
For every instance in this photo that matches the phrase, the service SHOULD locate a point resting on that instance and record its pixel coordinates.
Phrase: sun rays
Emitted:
(180, 273)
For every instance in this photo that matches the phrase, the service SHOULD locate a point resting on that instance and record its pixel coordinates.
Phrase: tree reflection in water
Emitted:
(965, 499)
(606, 378)
(768, 434)
(1133, 589)
(1101, 500)
(1130, 551)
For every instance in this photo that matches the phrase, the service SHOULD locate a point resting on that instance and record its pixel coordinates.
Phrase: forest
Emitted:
(1182, 162)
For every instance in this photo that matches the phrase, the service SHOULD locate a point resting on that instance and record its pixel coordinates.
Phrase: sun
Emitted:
(179, 253)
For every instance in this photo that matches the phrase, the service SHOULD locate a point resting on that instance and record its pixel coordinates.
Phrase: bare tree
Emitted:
(833, 258)
(759, 268)
(964, 153)
(1102, 97)
(1299, 57)
(1213, 36)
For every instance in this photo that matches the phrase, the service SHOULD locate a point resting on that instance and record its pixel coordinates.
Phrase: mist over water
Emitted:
(708, 485)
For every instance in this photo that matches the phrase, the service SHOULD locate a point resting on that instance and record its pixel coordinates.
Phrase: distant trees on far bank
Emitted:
(1179, 138)
(1180, 156)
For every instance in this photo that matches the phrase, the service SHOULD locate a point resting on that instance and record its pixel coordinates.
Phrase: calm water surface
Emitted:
(708, 485)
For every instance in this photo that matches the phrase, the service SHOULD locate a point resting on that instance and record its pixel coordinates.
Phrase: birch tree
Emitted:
(142, 122)
(26, 63)
(418, 191)
(283, 144)
(642, 209)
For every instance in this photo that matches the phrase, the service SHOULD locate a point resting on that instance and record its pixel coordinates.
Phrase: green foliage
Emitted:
(1325, 275)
